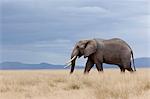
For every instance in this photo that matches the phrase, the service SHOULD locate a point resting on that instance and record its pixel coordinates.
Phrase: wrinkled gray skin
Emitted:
(99, 51)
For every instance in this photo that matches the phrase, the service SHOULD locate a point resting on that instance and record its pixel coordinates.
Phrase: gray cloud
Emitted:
(50, 28)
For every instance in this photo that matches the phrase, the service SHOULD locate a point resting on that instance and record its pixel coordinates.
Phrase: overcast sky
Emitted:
(35, 31)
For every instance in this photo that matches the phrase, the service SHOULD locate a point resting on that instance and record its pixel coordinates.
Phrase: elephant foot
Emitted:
(101, 71)
(86, 72)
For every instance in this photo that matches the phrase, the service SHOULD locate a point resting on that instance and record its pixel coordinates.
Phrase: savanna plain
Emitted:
(59, 84)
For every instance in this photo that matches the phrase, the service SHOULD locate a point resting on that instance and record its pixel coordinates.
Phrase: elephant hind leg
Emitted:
(99, 67)
(122, 69)
(130, 69)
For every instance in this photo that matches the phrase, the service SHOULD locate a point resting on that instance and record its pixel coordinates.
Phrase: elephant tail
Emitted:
(133, 60)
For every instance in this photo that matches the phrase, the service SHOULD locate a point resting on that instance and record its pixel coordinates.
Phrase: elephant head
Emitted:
(82, 48)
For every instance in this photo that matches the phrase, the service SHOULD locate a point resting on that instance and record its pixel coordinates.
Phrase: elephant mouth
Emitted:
(68, 63)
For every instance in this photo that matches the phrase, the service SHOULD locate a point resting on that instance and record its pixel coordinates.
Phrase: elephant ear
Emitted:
(91, 48)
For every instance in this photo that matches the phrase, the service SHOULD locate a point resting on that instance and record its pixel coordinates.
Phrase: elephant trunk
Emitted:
(71, 62)
(72, 65)
(74, 54)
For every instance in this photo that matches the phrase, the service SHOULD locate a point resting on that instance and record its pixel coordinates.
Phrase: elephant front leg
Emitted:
(89, 65)
(99, 67)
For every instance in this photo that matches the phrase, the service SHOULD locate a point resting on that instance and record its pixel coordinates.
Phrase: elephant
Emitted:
(98, 51)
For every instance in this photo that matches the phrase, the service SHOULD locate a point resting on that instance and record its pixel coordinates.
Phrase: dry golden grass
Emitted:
(58, 84)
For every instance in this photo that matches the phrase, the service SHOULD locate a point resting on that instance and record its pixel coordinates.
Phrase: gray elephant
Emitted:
(99, 51)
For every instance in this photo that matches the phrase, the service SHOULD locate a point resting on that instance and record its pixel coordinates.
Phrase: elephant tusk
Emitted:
(71, 60)
(68, 65)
